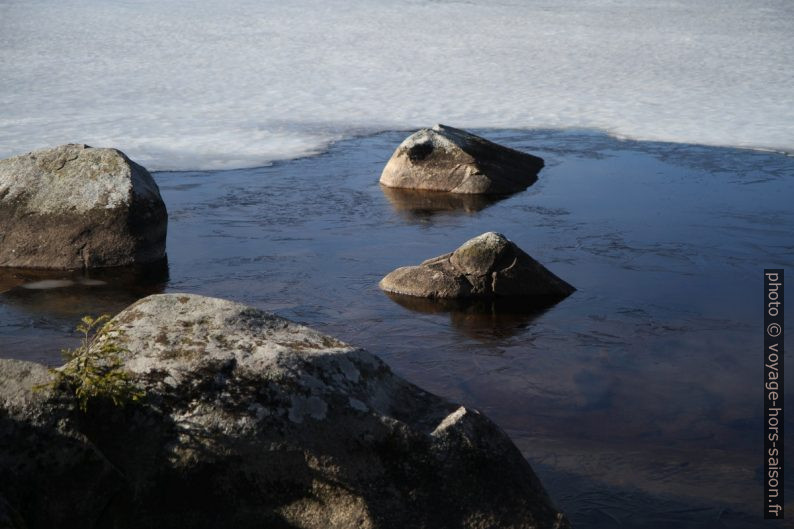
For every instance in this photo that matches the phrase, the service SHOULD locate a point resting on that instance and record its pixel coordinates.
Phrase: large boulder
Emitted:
(74, 206)
(250, 420)
(51, 474)
(448, 159)
(486, 266)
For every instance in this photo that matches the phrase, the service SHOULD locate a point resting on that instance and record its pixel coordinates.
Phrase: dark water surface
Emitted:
(637, 399)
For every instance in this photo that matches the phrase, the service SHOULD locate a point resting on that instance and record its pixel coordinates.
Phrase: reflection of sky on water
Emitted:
(644, 382)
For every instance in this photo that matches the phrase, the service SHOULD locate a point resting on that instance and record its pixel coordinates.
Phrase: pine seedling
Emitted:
(95, 369)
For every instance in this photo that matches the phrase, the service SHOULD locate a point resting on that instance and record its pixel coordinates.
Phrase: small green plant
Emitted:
(96, 367)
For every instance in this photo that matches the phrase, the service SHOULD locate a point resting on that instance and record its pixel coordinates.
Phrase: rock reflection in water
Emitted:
(414, 204)
(480, 319)
(66, 294)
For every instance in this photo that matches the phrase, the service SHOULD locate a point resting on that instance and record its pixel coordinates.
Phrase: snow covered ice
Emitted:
(205, 85)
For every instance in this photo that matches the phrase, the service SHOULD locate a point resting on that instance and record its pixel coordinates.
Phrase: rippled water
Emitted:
(637, 399)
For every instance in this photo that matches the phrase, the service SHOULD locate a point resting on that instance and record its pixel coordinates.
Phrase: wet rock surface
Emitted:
(253, 420)
(75, 206)
(448, 159)
(486, 266)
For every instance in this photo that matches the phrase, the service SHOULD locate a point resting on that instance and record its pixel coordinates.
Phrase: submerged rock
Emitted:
(486, 266)
(254, 421)
(448, 159)
(74, 206)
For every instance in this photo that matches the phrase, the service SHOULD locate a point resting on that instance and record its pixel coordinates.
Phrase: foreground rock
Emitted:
(486, 266)
(253, 421)
(448, 159)
(74, 206)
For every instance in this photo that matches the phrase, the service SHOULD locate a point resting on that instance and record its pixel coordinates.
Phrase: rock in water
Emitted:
(486, 266)
(253, 421)
(74, 206)
(448, 159)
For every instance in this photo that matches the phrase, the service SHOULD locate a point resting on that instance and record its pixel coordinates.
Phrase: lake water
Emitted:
(637, 399)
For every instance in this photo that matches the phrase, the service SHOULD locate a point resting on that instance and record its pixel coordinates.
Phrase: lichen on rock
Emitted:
(256, 431)
(75, 206)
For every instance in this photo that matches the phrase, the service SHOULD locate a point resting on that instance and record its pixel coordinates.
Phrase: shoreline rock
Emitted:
(486, 266)
(75, 206)
(448, 159)
(251, 420)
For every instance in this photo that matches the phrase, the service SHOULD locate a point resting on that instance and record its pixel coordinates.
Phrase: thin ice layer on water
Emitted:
(208, 85)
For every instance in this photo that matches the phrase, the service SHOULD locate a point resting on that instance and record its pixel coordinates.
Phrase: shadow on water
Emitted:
(418, 205)
(480, 319)
(70, 294)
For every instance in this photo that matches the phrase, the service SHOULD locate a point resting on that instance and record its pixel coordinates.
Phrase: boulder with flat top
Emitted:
(75, 206)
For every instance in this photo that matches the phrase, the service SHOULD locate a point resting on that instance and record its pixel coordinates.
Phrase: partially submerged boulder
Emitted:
(75, 206)
(486, 266)
(448, 159)
(254, 421)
